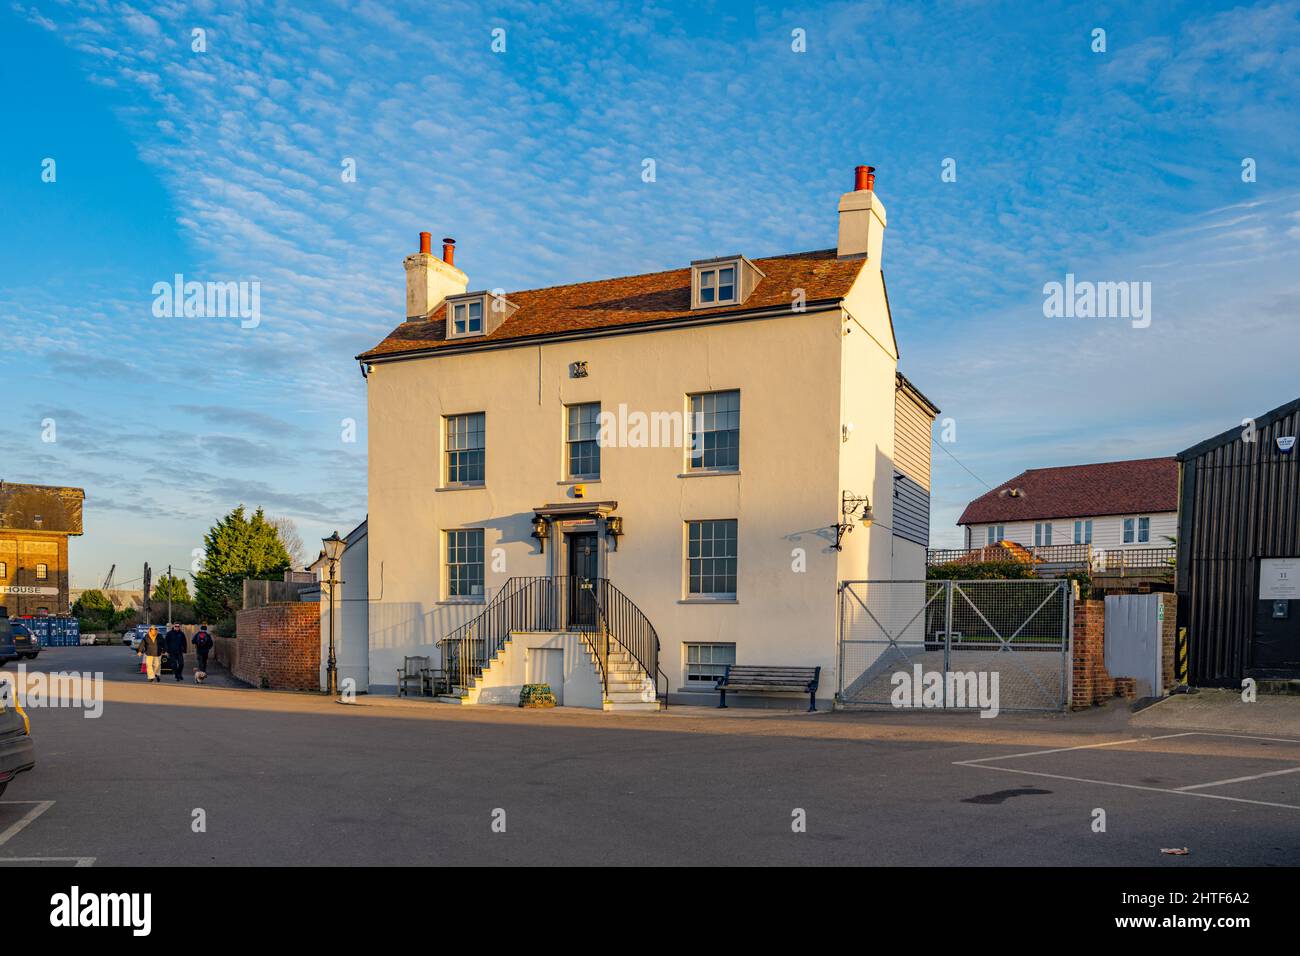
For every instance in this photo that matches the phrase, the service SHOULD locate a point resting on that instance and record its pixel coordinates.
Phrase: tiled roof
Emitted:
(1144, 486)
(633, 300)
(40, 508)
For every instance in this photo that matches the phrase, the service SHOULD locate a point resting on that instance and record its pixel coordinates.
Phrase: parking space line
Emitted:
(1061, 750)
(1258, 776)
(74, 860)
(1126, 786)
(41, 807)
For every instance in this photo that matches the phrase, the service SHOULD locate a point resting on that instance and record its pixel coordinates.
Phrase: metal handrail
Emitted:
(630, 628)
(548, 604)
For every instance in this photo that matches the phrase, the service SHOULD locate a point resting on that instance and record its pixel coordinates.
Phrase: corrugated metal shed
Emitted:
(1239, 503)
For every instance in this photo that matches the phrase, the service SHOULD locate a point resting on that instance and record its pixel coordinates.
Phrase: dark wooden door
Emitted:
(584, 568)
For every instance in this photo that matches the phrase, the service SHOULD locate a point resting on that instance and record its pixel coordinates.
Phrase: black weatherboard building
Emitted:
(1238, 577)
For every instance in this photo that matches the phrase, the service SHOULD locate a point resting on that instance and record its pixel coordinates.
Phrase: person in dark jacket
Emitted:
(151, 648)
(176, 644)
(202, 645)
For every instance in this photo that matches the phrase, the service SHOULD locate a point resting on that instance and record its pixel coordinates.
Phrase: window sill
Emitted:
(570, 482)
(468, 486)
(709, 472)
(705, 600)
(456, 601)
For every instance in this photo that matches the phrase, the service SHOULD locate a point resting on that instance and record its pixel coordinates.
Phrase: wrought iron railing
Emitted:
(591, 607)
(622, 620)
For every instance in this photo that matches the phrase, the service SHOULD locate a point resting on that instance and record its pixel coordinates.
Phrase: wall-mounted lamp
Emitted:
(614, 528)
(541, 531)
(849, 505)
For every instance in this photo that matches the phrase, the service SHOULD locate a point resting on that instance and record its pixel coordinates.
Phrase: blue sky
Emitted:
(225, 165)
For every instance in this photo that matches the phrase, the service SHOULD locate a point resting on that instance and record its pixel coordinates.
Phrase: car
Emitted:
(26, 643)
(8, 649)
(17, 753)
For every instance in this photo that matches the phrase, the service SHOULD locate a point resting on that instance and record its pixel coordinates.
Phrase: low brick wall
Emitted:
(278, 646)
(1092, 682)
(1168, 634)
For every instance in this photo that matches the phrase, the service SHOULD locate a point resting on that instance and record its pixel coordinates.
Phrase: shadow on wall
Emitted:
(412, 627)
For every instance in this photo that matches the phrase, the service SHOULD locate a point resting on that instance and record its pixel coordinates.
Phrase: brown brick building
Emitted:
(35, 524)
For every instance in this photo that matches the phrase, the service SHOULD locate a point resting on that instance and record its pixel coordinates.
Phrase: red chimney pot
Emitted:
(449, 251)
(864, 177)
(426, 243)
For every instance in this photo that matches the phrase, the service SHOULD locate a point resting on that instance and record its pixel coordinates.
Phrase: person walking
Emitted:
(176, 645)
(151, 648)
(202, 645)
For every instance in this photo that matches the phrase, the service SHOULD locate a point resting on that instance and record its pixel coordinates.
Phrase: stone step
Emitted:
(640, 705)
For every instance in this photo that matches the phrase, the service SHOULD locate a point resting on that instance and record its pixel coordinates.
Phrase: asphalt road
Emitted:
(294, 779)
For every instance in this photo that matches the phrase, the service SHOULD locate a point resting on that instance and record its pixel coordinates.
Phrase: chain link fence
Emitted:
(956, 644)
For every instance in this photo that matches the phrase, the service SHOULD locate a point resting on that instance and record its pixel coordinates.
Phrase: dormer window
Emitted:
(467, 318)
(718, 285)
(725, 281)
(477, 313)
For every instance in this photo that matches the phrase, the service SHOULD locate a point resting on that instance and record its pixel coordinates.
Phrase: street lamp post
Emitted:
(333, 547)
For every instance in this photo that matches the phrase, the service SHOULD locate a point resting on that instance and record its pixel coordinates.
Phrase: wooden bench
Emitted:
(801, 680)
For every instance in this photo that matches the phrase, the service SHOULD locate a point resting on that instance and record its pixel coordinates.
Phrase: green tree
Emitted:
(93, 610)
(174, 587)
(236, 547)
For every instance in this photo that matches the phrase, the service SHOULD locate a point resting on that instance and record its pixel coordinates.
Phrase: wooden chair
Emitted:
(411, 672)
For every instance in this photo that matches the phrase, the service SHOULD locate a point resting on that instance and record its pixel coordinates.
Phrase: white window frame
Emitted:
(1134, 532)
(691, 461)
(995, 533)
(448, 451)
(570, 441)
(1042, 534)
(687, 558)
(1083, 531)
(462, 323)
(706, 680)
(42, 572)
(707, 278)
(453, 536)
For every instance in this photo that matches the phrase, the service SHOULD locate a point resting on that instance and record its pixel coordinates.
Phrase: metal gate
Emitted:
(1003, 645)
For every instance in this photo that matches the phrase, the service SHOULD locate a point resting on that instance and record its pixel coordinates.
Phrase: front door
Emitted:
(1277, 619)
(584, 568)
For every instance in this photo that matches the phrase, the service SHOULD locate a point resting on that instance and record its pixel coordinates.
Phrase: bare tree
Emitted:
(291, 539)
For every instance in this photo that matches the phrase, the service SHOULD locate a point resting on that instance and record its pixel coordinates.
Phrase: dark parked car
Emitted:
(8, 649)
(16, 751)
(26, 643)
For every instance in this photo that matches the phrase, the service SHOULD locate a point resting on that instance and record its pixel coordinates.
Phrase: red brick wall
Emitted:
(1092, 683)
(279, 646)
(1168, 632)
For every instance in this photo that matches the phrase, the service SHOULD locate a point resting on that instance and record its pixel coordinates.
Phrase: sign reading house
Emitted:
(1279, 579)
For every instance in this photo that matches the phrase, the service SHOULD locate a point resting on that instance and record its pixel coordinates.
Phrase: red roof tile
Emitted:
(1143, 486)
(633, 300)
